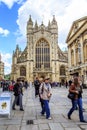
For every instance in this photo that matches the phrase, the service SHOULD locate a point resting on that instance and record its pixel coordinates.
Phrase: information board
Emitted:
(5, 103)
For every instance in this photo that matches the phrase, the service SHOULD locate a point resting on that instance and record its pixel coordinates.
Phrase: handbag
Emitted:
(71, 96)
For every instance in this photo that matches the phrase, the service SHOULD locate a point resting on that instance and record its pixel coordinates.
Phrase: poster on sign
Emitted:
(5, 105)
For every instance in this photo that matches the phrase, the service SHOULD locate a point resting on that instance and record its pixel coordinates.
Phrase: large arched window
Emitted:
(62, 70)
(22, 71)
(42, 54)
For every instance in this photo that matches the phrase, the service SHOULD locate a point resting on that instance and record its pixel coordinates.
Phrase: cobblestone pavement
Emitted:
(31, 119)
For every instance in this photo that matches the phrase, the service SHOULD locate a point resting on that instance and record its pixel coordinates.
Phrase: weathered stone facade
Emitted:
(77, 49)
(42, 55)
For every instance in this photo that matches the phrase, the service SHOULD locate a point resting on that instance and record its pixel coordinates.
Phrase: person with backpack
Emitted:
(45, 94)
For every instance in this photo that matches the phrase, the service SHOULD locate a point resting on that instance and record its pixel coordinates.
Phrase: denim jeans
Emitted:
(42, 103)
(74, 104)
(20, 101)
(46, 108)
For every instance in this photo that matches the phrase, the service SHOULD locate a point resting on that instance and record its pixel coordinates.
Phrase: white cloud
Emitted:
(10, 3)
(6, 58)
(4, 32)
(74, 10)
(65, 11)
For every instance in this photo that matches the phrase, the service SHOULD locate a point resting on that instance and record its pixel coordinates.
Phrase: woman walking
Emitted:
(77, 90)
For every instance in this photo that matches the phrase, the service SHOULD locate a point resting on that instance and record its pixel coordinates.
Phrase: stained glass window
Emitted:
(42, 54)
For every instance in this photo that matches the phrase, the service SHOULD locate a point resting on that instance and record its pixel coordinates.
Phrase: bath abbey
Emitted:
(42, 55)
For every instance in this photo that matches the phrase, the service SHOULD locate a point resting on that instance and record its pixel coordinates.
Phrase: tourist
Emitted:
(36, 85)
(18, 93)
(77, 90)
(45, 94)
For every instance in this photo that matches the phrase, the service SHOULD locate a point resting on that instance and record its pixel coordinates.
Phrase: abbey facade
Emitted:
(42, 55)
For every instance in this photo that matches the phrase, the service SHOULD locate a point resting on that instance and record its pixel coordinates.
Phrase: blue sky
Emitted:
(14, 15)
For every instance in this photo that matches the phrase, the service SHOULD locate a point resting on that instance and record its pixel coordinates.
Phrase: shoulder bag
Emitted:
(71, 96)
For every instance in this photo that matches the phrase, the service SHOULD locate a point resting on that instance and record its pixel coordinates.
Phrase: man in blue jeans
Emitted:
(45, 93)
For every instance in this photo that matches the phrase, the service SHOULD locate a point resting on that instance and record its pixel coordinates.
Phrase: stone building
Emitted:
(1, 69)
(42, 55)
(77, 49)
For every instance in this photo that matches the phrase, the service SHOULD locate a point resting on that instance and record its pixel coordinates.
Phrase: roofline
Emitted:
(83, 18)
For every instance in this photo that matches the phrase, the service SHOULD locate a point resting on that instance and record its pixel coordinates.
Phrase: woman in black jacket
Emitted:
(18, 95)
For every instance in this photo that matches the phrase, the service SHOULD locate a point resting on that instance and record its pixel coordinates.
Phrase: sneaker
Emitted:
(84, 121)
(69, 117)
(83, 110)
(42, 114)
(49, 118)
(21, 109)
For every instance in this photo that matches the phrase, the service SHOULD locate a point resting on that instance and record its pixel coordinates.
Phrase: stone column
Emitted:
(74, 55)
(82, 56)
(69, 56)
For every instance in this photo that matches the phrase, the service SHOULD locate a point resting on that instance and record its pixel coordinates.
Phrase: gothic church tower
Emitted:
(42, 55)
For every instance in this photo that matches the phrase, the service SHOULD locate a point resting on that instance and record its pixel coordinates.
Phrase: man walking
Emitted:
(18, 95)
(45, 94)
(37, 85)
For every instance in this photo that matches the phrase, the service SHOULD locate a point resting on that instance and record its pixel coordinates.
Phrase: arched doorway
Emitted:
(62, 74)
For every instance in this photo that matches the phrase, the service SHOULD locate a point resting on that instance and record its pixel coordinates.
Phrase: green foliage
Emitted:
(7, 77)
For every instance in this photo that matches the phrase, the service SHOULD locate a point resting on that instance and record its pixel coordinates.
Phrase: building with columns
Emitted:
(42, 55)
(1, 69)
(77, 49)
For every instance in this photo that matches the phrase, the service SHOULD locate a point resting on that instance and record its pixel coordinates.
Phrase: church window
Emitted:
(62, 70)
(43, 52)
(22, 71)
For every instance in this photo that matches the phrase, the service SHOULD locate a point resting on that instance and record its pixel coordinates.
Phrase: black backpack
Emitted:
(36, 83)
